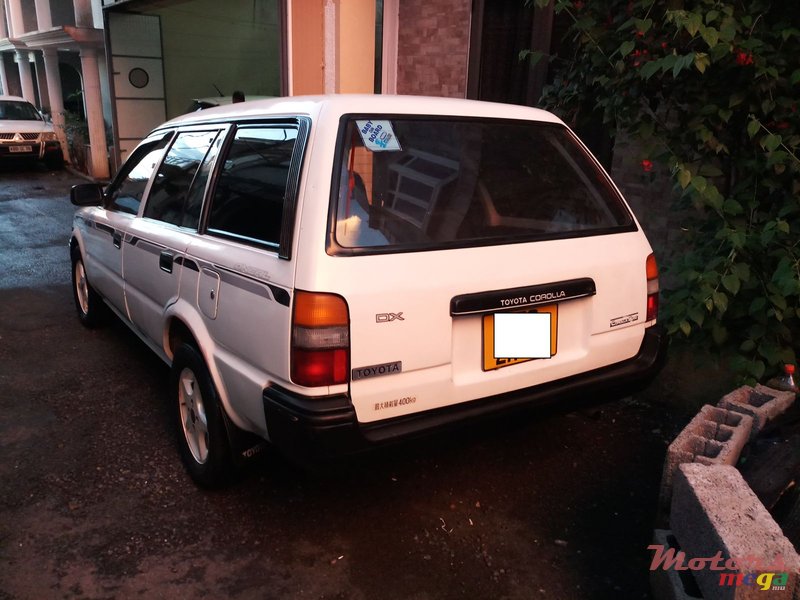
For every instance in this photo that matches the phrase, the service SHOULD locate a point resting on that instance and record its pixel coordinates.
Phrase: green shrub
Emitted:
(709, 89)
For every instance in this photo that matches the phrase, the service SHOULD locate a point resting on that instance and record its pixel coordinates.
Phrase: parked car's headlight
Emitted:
(48, 136)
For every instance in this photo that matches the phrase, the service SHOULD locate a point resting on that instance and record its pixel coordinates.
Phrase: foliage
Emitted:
(709, 89)
(77, 133)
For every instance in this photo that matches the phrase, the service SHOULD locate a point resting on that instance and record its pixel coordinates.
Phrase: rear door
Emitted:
(478, 258)
(239, 272)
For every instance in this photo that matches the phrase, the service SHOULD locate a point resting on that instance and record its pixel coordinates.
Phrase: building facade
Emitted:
(52, 50)
(127, 65)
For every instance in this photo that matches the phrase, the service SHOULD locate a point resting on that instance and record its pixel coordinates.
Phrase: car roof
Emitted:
(341, 104)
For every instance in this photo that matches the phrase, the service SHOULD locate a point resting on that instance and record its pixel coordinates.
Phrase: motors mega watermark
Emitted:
(767, 576)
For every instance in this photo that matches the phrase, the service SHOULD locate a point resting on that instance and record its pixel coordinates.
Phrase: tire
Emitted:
(91, 309)
(202, 439)
(54, 161)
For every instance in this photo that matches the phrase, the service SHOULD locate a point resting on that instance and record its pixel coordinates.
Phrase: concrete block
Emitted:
(671, 584)
(761, 403)
(715, 514)
(714, 436)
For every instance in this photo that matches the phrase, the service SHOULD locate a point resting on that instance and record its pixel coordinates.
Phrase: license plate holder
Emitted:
(20, 149)
(537, 349)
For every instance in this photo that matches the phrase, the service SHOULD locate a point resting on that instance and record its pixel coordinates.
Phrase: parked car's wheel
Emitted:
(202, 440)
(90, 307)
(54, 161)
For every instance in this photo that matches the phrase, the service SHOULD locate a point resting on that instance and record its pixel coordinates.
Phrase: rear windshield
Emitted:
(418, 183)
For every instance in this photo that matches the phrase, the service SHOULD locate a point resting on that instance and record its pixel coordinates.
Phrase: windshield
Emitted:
(16, 110)
(413, 183)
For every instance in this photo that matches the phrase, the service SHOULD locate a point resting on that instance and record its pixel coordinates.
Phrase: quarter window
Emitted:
(249, 195)
(171, 187)
(125, 195)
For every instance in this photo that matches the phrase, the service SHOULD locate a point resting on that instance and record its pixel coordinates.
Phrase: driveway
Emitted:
(94, 502)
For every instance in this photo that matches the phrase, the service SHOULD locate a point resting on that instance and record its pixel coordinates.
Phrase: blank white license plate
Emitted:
(14, 149)
(518, 337)
(522, 335)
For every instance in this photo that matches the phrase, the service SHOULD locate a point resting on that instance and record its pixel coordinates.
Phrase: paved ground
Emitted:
(94, 502)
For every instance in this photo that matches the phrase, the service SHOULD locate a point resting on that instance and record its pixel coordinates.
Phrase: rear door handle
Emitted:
(116, 238)
(165, 261)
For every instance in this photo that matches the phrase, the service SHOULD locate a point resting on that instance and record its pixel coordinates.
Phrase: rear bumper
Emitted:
(307, 428)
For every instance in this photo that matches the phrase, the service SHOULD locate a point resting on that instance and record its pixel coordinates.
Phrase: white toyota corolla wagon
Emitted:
(328, 273)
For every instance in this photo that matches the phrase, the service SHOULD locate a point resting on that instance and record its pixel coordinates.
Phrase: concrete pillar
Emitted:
(25, 76)
(44, 21)
(83, 13)
(55, 96)
(329, 46)
(15, 23)
(98, 159)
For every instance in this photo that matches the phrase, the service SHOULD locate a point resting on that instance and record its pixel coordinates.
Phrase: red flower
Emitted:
(664, 45)
(744, 58)
(577, 4)
(647, 165)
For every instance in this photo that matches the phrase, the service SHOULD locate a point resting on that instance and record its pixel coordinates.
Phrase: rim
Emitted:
(81, 287)
(193, 415)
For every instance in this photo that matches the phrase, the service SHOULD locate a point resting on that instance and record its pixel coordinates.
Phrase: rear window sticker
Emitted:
(378, 136)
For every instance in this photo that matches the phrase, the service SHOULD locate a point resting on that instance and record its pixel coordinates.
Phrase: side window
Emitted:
(125, 194)
(250, 190)
(170, 189)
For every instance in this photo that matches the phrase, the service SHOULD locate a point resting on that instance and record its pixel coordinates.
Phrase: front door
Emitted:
(157, 242)
(121, 204)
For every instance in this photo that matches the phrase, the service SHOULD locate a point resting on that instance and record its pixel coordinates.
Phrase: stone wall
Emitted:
(433, 47)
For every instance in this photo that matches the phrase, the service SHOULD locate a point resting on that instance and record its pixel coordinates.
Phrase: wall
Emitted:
(233, 45)
(62, 13)
(332, 46)
(12, 74)
(308, 35)
(28, 16)
(433, 47)
(355, 54)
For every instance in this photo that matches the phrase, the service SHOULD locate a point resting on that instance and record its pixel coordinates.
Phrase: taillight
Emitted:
(320, 339)
(652, 288)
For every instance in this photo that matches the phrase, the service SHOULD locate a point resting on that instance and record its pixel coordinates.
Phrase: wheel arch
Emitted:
(183, 325)
(76, 244)
(177, 333)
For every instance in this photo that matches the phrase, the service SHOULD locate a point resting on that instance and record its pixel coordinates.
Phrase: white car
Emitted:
(214, 101)
(25, 134)
(328, 273)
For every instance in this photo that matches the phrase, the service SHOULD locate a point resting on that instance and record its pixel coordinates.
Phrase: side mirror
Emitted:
(86, 194)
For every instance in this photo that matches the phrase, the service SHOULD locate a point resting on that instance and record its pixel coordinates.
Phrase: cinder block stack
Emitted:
(713, 510)
(710, 509)
(714, 436)
(763, 404)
